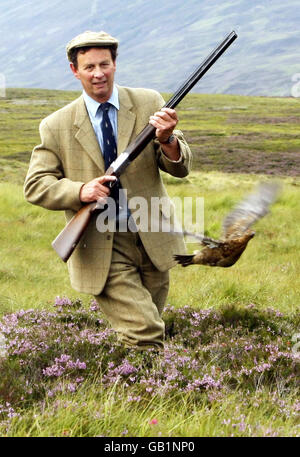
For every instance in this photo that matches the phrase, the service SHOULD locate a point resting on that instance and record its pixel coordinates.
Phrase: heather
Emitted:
(54, 357)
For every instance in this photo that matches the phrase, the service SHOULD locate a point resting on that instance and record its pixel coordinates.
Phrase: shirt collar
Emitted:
(92, 105)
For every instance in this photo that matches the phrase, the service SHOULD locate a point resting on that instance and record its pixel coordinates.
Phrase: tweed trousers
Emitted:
(134, 294)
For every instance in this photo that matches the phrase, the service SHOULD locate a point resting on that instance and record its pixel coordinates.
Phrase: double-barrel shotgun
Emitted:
(67, 240)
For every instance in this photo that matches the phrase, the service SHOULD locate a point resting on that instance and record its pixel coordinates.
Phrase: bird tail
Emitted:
(184, 260)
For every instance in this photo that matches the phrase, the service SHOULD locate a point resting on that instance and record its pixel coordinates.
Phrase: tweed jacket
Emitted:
(69, 156)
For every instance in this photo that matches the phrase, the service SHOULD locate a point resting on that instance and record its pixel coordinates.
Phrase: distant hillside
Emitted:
(227, 133)
(161, 42)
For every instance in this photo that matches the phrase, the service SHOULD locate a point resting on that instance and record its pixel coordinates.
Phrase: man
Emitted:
(126, 271)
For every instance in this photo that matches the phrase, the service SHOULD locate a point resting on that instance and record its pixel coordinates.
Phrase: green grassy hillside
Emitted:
(227, 133)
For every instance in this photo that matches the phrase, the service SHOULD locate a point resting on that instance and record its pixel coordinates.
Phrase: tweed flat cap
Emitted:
(91, 39)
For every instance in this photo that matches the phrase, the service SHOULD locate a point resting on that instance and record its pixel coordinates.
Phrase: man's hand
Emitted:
(95, 190)
(165, 122)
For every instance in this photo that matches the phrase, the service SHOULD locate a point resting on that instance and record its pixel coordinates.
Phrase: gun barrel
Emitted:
(201, 70)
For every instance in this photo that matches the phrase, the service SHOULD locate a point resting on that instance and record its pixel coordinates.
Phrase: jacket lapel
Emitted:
(85, 135)
(126, 120)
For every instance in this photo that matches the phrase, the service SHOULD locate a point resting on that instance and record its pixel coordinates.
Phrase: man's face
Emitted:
(96, 71)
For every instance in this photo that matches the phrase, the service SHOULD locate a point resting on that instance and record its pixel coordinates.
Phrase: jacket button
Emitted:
(108, 237)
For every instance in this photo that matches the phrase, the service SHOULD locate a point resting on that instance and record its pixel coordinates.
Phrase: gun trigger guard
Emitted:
(111, 184)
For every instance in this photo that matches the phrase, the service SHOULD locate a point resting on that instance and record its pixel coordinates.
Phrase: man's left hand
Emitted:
(165, 122)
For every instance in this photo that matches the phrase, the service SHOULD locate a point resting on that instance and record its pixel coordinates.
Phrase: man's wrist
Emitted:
(169, 140)
(171, 149)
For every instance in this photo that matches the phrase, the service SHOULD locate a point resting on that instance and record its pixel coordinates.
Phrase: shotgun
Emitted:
(67, 240)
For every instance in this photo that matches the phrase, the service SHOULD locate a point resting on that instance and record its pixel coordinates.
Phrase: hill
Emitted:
(160, 42)
(227, 133)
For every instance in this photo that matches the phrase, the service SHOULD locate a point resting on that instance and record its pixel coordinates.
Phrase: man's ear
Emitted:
(74, 71)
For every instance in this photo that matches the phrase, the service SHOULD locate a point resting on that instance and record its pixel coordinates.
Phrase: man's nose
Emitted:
(98, 73)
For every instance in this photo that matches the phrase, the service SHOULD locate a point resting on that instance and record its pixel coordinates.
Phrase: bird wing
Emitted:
(204, 240)
(249, 210)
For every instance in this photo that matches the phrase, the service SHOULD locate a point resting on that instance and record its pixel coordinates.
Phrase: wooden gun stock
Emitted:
(67, 240)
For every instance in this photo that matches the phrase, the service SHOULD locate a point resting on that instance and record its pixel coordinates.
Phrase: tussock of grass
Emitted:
(95, 412)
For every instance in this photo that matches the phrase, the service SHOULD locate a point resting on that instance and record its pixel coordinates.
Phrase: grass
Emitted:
(266, 274)
(81, 415)
(269, 267)
(236, 141)
(261, 131)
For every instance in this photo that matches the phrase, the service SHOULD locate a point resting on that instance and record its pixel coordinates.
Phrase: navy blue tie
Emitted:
(109, 142)
(109, 148)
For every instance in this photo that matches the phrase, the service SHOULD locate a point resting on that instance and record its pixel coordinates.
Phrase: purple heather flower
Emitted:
(62, 301)
(125, 368)
(131, 398)
(94, 306)
(72, 387)
(62, 364)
